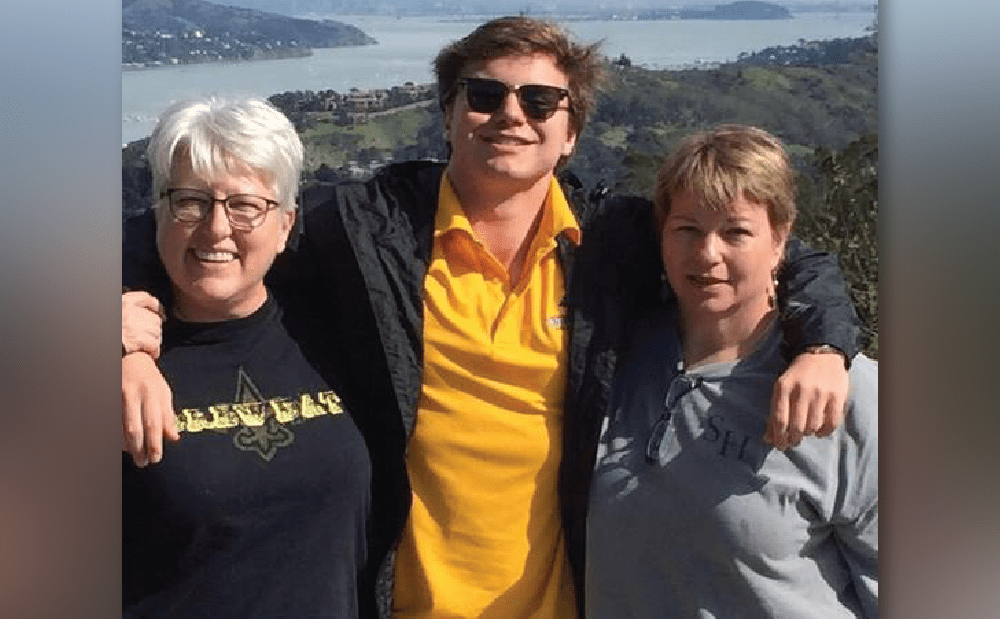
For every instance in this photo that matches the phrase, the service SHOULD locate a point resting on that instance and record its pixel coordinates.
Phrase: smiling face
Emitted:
(218, 272)
(720, 262)
(507, 148)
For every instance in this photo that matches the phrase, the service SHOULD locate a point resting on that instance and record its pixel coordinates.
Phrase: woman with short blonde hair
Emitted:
(691, 513)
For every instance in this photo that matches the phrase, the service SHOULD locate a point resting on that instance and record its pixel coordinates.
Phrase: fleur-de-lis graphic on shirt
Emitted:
(266, 438)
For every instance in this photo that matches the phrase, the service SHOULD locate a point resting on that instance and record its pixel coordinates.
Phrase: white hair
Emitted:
(228, 137)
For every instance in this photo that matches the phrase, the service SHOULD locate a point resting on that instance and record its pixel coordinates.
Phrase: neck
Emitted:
(190, 310)
(504, 220)
(720, 340)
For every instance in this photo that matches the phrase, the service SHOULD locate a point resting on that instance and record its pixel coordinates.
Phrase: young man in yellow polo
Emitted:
(482, 304)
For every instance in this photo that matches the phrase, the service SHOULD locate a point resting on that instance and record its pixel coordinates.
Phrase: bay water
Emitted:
(407, 46)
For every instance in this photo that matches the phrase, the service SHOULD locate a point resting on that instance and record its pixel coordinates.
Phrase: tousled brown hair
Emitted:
(525, 36)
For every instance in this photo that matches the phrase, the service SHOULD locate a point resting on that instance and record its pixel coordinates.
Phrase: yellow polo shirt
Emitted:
(484, 536)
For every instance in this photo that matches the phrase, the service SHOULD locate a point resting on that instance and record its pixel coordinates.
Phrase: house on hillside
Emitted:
(365, 100)
(410, 93)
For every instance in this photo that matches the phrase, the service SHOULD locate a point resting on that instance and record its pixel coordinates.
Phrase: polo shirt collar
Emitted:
(557, 217)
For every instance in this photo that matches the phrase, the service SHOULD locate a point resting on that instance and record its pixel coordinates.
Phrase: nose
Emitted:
(511, 107)
(217, 222)
(708, 248)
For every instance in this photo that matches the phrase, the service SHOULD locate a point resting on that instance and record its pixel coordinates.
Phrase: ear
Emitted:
(570, 143)
(161, 214)
(287, 223)
(780, 236)
(449, 112)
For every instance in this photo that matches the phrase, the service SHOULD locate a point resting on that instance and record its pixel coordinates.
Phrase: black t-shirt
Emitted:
(260, 509)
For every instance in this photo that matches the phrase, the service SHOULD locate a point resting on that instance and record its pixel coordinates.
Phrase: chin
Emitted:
(708, 306)
(517, 174)
(213, 294)
(215, 289)
(719, 310)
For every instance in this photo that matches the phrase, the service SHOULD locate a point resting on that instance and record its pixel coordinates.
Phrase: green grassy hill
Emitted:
(644, 112)
(333, 145)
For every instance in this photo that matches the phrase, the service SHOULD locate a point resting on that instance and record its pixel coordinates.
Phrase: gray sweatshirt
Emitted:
(692, 515)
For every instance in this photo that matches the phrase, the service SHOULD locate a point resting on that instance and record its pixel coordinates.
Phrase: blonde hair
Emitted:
(223, 137)
(725, 163)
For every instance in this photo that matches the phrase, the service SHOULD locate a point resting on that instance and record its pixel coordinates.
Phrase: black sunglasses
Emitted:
(539, 101)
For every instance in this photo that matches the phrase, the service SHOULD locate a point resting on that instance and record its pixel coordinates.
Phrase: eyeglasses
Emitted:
(539, 101)
(244, 211)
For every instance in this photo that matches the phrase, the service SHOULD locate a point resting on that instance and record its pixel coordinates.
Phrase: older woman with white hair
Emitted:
(691, 513)
(260, 508)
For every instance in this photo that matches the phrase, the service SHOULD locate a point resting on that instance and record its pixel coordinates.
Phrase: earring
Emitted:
(772, 294)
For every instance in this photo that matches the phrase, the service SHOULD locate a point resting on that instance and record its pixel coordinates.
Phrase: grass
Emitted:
(332, 144)
(766, 79)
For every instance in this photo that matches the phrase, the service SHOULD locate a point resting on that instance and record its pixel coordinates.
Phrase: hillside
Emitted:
(179, 16)
(644, 111)
(742, 9)
(640, 115)
(826, 114)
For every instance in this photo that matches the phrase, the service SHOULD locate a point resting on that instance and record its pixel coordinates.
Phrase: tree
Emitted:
(622, 61)
(841, 216)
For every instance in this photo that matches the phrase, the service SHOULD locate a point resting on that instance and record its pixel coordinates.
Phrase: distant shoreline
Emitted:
(146, 94)
(262, 55)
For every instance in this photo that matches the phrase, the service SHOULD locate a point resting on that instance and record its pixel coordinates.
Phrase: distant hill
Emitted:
(739, 10)
(596, 8)
(639, 117)
(742, 9)
(179, 16)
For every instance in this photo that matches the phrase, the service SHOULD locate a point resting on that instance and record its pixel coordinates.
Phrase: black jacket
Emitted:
(363, 254)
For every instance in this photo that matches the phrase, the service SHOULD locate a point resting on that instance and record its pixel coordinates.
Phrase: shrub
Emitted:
(839, 213)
